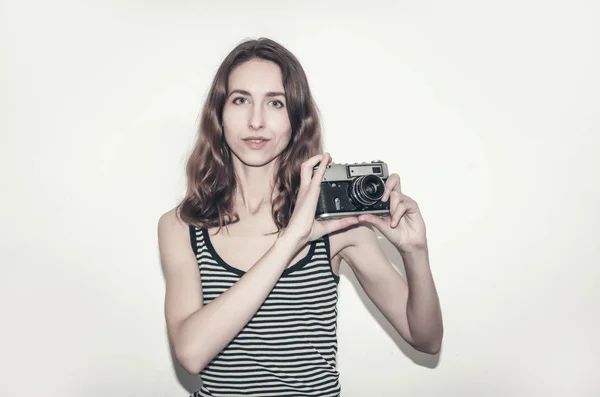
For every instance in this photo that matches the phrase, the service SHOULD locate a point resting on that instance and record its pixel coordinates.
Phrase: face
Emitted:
(255, 119)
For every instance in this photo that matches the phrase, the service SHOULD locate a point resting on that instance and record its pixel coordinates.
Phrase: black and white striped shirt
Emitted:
(289, 346)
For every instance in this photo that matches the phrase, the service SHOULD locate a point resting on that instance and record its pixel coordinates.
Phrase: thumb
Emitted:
(381, 224)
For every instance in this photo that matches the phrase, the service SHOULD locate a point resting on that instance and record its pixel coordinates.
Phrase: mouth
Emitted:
(256, 142)
(256, 139)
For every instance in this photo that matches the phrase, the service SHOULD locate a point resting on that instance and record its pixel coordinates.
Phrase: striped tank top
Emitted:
(289, 346)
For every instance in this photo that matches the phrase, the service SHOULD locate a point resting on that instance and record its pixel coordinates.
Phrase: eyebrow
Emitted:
(269, 94)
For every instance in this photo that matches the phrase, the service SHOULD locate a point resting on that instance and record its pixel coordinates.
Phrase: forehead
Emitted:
(256, 75)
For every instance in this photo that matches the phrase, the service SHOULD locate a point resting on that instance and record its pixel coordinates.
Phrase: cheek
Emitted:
(232, 115)
(281, 124)
(283, 137)
(287, 136)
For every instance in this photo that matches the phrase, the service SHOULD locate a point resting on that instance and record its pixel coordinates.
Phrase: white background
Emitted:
(489, 111)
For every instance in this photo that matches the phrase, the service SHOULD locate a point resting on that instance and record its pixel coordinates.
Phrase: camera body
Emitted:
(353, 189)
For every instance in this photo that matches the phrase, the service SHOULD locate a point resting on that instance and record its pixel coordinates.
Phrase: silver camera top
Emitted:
(347, 171)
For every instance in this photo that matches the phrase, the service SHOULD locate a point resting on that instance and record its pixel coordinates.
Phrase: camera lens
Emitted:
(366, 190)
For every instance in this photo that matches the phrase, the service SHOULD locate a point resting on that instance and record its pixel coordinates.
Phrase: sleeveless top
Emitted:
(289, 347)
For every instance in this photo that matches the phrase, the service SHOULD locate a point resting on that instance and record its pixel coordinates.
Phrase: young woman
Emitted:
(251, 276)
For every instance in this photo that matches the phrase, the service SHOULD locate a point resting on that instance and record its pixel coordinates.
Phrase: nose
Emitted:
(257, 120)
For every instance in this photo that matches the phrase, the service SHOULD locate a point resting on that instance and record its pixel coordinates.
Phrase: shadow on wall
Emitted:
(423, 359)
(191, 383)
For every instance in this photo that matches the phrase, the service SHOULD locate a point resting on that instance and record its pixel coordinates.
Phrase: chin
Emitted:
(256, 159)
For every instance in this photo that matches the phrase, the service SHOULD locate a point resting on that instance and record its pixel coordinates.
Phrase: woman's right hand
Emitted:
(303, 227)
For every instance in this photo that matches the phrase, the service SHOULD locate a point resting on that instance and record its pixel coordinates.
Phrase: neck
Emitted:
(254, 191)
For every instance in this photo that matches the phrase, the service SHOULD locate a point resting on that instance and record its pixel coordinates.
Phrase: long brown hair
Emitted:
(211, 180)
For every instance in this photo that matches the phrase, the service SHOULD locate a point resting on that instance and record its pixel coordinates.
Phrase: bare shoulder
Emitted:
(173, 239)
(170, 221)
(354, 236)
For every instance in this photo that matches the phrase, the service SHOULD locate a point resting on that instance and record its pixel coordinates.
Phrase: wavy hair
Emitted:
(211, 180)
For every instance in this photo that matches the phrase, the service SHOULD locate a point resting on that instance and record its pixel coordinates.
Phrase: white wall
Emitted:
(489, 111)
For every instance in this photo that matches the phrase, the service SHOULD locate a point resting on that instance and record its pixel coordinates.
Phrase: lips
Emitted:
(256, 139)
(256, 142)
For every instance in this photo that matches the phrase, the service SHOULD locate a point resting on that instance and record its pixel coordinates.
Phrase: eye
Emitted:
(277, 104)
(240, 100)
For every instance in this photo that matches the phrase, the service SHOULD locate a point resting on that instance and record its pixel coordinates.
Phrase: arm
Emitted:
(411, 306)
(199, 332)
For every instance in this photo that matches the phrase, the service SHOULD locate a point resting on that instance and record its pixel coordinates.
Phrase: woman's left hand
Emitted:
(404, 227)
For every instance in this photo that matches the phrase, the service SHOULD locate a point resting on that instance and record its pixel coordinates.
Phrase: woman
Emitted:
(251, 276)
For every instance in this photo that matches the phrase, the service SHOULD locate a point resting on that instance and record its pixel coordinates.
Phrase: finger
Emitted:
(381, 224)
(306, 172)
(399, 212)
(320, 172)
(395, 199)
(392, 184)
(334, 225)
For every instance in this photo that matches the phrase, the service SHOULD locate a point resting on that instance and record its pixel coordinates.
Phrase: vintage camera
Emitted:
(353, 189)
